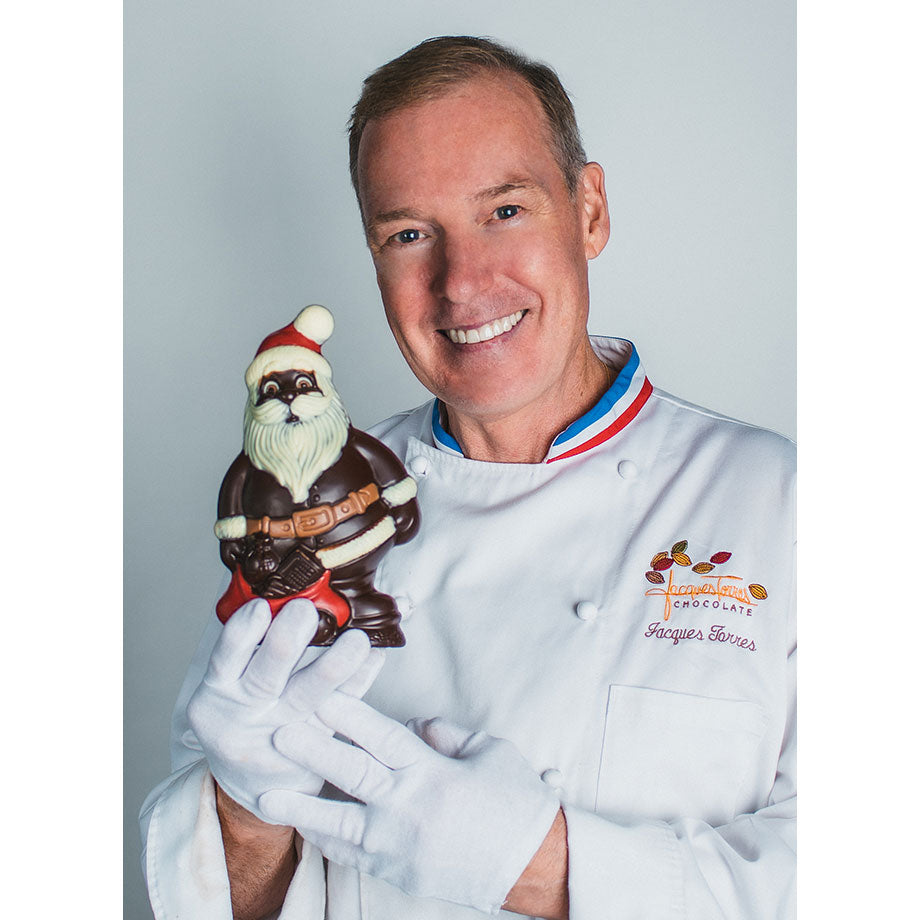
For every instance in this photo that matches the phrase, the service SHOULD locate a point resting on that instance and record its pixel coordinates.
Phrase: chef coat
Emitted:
(624, 613)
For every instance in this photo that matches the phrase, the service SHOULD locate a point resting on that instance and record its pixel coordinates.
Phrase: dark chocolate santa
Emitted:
(311, 504)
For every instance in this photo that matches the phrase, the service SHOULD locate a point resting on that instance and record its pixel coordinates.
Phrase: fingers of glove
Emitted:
(360, 682)
(237, 641)
(312, 684)
(388, 740)
(341, 821)
(341, 852)
(444, 736)
(287, 636)
(354, 771)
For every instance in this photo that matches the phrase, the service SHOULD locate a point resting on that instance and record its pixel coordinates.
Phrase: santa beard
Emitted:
(296, 453)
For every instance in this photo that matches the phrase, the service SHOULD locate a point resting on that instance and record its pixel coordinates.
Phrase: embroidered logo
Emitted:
(720, 591)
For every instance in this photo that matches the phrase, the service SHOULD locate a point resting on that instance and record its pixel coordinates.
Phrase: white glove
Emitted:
(448, 814)
(250, 689)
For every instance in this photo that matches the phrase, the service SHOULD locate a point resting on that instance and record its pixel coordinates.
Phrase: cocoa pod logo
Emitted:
(657, 558)
(682, 558)
(656, 578)
(701, 568)
(679, 547)
(719, 558)
(758, 591)
(662, 564)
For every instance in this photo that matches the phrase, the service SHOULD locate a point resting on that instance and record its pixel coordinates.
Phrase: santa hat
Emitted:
(295, 347)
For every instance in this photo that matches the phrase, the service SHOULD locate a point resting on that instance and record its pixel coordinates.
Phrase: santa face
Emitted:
(295, 427)
(296, 389)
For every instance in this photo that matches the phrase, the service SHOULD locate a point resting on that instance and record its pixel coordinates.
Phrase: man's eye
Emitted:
(305, 383)
(408, 236)
(270, 388)
(507, 211)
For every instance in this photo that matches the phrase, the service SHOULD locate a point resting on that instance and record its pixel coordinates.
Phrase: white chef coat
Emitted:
(623, 612)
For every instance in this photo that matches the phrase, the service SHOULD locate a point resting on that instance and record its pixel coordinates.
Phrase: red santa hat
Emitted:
(295, 347)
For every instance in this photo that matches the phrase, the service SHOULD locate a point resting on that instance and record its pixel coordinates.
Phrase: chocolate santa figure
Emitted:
(311, 504)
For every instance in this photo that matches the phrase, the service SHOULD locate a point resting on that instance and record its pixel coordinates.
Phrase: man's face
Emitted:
(480, 250)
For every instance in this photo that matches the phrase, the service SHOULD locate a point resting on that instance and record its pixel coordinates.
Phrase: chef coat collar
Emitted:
(616, 408)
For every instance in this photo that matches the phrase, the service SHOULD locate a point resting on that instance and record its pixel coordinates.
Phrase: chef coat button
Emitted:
(552, 778)
(419, 466)
(627, 469)
(586, 610)
(404, 605)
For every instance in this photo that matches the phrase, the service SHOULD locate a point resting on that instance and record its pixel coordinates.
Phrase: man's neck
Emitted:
(525, 436)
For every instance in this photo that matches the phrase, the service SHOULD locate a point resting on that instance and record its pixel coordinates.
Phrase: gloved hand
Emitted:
(449, 814)
(250, 689)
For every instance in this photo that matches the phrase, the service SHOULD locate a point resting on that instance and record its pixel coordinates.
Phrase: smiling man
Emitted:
(481, 250)
(536, 747)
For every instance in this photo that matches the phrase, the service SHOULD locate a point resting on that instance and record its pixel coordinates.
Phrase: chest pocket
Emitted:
(670, 755)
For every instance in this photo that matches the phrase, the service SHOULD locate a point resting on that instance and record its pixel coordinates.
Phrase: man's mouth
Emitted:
(486, 331)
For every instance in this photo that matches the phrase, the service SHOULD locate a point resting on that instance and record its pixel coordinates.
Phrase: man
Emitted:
(598, 605)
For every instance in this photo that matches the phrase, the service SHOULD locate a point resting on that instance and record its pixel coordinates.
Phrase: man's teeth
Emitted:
(486, 331)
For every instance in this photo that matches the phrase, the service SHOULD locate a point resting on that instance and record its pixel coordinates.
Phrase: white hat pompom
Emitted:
(315, 322)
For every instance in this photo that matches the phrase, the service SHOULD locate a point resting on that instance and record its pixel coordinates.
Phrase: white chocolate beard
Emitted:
(295, 453)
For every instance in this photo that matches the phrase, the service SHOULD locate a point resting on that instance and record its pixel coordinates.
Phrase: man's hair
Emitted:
(431, 68)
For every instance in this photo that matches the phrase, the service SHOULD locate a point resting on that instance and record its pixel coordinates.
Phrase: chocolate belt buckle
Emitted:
(315, 521)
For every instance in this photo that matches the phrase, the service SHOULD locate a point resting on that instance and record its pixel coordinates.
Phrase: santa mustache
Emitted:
(303, 406)
(295, 454)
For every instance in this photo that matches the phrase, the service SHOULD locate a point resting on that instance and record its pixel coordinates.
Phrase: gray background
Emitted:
(238, 211)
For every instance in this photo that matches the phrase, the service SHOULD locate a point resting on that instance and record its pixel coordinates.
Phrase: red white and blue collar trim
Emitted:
(610, 414)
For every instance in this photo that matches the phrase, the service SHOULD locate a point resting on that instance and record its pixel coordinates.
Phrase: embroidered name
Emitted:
(717, 633)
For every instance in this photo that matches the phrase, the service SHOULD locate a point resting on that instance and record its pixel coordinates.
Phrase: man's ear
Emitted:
(596, 216)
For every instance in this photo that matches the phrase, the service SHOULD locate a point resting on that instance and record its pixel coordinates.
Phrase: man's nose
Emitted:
(465, 269)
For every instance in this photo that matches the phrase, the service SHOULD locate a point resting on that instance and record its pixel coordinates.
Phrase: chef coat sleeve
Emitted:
(183, 851)
(687, 869)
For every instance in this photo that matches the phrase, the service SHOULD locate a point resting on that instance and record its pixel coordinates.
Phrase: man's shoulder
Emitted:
(396, 430)
(696, 422)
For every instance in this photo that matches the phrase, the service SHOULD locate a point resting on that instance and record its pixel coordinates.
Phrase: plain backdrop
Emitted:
(238, 211)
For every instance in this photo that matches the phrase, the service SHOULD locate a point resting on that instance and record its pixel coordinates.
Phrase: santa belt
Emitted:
(312, 522)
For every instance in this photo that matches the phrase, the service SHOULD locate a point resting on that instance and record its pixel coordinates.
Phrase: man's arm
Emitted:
(202, 848)
(261, 859)
(543, 888)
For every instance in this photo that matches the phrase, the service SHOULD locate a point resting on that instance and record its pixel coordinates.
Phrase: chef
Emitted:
(593, 715)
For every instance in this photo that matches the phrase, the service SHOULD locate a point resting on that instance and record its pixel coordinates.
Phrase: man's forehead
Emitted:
(498, 119)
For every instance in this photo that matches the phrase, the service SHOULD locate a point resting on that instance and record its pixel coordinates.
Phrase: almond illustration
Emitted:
(758, 591)
(679, 547)
(682, 558)
(701, 568)
(719, 558)
(657, 558)
(656, 578)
